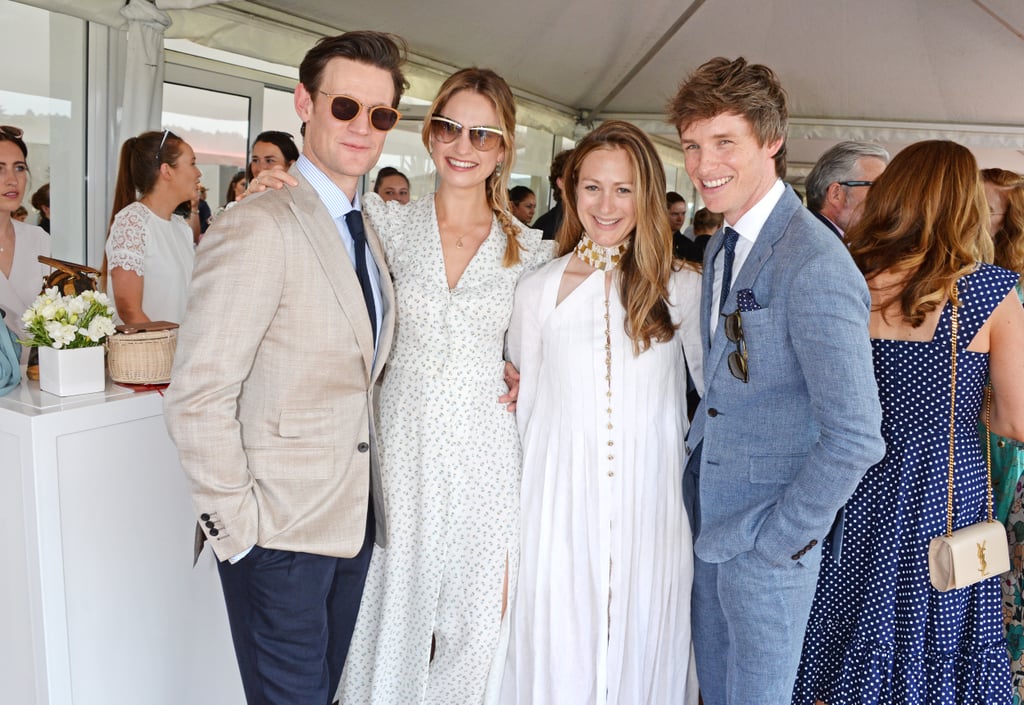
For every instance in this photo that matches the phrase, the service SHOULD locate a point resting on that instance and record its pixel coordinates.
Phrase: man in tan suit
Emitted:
(289, 321)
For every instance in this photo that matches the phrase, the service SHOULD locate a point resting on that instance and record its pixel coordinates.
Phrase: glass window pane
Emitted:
(279, 114)
(216, 126)
(533, 162)
(44, 95)
(404, 151)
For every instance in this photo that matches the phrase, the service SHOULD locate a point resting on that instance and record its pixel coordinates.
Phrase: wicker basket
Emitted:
(143, 357)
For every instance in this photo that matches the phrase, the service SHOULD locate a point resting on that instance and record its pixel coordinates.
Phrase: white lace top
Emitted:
(160, 251)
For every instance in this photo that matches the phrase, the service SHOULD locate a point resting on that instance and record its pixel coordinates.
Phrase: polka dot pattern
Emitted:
(878, 631)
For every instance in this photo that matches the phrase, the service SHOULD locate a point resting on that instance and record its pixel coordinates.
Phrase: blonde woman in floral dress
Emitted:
(429, 621)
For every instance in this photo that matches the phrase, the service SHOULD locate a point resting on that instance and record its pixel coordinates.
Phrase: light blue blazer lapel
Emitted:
(773, 230)
(322, 233)
(696, 431)
(714, 346)
(764, 245)
(708, 288)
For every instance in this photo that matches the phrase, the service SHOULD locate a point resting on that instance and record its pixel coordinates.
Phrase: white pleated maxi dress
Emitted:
(602, 610)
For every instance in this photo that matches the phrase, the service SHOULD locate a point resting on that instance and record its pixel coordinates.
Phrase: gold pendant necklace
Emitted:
(3, 248)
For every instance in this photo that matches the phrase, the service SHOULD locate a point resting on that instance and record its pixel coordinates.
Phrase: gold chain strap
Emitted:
(952, 424)
(955, 325)
(988, 443)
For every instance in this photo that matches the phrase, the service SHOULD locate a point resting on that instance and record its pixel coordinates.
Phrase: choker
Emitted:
(598, 256)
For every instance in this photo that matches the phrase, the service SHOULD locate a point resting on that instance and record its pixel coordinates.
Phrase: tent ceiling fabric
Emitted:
(890, 70)
(918, 67)
(108, 12)
(944, 61)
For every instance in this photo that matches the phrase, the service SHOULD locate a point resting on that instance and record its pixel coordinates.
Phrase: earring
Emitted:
(497, 169)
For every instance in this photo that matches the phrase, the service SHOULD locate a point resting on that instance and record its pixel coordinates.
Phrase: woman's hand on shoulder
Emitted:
(276, 178)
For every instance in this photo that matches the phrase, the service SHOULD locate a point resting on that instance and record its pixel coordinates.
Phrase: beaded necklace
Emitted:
(605, 259)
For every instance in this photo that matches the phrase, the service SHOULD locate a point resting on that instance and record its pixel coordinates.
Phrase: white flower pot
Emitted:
(67, 372)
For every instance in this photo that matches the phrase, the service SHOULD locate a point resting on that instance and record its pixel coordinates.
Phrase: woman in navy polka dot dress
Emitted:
(878, 631)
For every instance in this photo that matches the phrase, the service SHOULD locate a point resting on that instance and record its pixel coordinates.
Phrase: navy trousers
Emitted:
(292, 617)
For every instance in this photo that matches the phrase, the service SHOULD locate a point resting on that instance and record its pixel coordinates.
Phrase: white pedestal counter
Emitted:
(99, 602)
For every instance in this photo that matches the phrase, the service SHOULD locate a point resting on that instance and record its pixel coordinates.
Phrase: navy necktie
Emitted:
(354, 220)
(731, 238)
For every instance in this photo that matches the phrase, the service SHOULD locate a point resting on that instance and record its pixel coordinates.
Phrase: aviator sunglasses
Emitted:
(346, 108)
(738, 357)
(482, 138)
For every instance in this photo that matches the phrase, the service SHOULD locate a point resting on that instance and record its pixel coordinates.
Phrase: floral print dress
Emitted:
(1013, 589)
(430, 617)
(1013, 582)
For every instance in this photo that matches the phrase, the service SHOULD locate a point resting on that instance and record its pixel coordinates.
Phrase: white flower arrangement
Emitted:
(55, 321)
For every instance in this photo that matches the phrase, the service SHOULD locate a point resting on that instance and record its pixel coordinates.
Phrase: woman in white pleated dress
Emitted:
(602, 337)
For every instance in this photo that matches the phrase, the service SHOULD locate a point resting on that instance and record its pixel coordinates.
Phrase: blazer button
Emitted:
(209, 525)
(214, 532)
(712, 412)
(813, 543)
(363, 447)
(795, 556)
(204, 516)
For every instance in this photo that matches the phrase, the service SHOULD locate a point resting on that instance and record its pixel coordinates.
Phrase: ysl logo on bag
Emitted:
(982, 563)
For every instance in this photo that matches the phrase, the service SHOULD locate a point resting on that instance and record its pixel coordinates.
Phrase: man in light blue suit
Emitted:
(790, 420)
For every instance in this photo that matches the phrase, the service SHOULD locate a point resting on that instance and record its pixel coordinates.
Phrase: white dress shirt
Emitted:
(749, 227)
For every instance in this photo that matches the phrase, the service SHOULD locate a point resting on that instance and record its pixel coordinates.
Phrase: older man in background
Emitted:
(839, 183)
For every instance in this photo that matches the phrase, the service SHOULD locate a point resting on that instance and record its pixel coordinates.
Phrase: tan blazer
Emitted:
(273, 382)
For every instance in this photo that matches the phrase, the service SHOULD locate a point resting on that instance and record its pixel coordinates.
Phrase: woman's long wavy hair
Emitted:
(646, 264)
(493, 87)
(923, 221)
(1009, 239)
